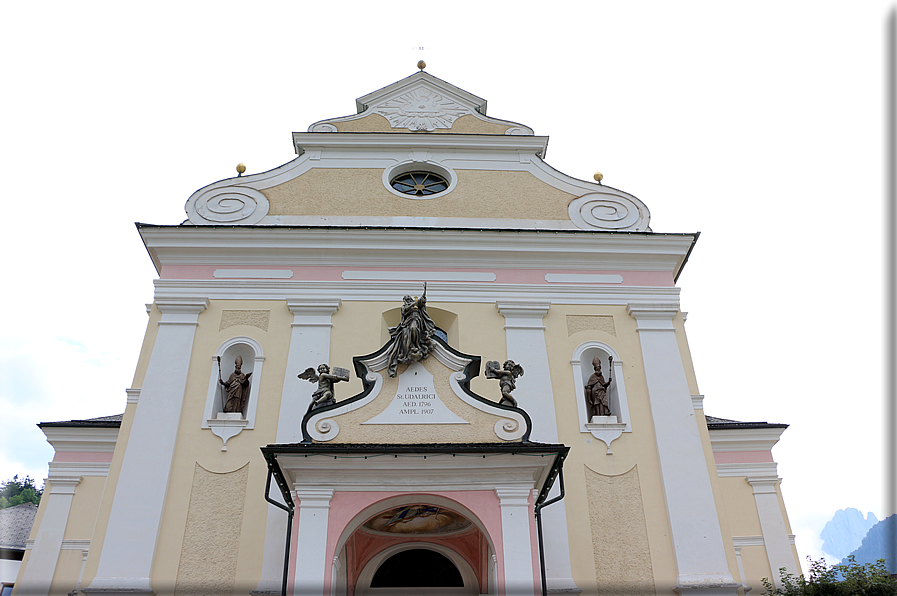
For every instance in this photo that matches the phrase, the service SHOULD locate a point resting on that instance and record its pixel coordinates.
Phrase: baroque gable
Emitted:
(420, 102)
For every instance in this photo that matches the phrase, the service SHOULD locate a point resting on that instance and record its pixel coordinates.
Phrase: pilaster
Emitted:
(694, 523)
(310, 558)
(309, 347)
(772, 524)
(525, 337)
(129, 546)
(516, 540)
(41, 566)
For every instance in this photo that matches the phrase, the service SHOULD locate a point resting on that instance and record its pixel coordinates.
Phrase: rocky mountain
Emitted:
(880, 543)
(845, 531)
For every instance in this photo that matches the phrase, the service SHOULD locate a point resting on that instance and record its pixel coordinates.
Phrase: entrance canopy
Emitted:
(339, 490)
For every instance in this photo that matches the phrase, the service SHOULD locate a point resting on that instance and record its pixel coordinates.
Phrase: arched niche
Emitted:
(223, 425)
(606, 430)
(345, 580)
(445, 320)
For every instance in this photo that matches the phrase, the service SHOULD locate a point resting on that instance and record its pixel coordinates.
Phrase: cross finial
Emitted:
(420, 63)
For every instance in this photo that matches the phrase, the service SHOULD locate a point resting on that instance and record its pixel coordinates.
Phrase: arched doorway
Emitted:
(417, 568)
(416, 548)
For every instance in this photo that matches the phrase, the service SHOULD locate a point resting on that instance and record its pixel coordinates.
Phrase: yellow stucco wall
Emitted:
(476, 328)
(199, 446)
(360, 191)
(105, 507)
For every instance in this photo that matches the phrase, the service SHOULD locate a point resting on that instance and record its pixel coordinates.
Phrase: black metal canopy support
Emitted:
(285, 493)
(559, 467)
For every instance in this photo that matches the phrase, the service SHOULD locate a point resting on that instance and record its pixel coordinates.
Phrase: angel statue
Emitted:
(507, 375)
(412, 335)
(323, 396)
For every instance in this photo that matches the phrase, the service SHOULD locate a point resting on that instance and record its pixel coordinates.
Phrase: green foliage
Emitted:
(871, 579)
(15, 492)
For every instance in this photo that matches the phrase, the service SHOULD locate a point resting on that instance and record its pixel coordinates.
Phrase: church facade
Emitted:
(415, 359)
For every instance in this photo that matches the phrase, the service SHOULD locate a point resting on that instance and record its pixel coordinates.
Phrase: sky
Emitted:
(759, 124)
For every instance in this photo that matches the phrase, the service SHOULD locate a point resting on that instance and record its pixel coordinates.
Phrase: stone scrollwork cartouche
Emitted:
(420, 109)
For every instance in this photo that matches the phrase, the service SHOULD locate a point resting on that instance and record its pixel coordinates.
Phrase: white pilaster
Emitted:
(694, 525)
(525, 337)
(313, 509)
(772, 524)
(516, 541)
(309, 346)
(130, 542)
(41, 566)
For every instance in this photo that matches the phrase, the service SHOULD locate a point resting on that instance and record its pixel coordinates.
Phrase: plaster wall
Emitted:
(630, 450)
(357, 330)
(146, 348)
(718, 497)
(211, 545)
(360, 191)
(200, 446)
(739, 497)
(68, 567)
(466, 124)
(108, 494)
(85, 505)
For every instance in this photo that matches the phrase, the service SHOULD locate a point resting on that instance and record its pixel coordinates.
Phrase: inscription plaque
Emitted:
(416, 401)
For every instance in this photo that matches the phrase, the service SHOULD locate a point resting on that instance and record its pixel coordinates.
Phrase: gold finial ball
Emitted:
(421, 64)
(598, 176)
(241, 167)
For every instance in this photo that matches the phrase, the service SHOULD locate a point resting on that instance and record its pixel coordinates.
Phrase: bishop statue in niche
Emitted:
(596, 390)
(237, 387)
(412, 336)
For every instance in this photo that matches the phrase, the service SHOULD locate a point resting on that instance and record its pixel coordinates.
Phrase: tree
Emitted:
(15, 492)
(852, 578)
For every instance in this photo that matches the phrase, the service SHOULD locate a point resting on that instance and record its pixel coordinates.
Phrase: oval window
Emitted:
(419, 184)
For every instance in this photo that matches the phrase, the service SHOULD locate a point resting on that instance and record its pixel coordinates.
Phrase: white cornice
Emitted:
(81, 439)
(67, 471)
(523, 309)
(755, 471)
(307, 141)
(412, 473)
(359, 247)
(744, 439)
(742, 541)
(393, 290)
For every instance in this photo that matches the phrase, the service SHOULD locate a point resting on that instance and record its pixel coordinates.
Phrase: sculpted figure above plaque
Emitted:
(323, 396)
(596, 390)
(412, 335)
(507, 375)
(237, 387)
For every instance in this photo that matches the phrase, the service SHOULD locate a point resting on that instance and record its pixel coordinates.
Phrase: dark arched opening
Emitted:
(417, 568)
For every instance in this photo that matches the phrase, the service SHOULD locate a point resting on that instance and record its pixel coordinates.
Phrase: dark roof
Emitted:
(714, 423)
(446, 448)
(380, 449)
(187, 224)
(15, 525)
(103, 421)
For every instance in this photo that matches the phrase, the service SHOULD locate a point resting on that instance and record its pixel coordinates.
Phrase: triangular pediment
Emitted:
(427, 401)
(420, 102)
